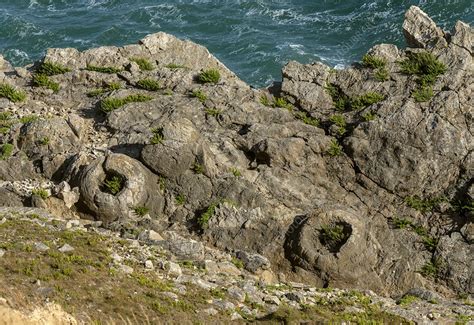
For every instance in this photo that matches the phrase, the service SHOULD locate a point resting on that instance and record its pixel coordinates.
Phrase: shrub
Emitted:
(369, 116)
(423, 205)
(423, 64)
(423, 94)
(42, 80)
(366, 100)
(180, 199)
(51, 69)
(109, 104)
(149, 84)
(282, 103)
(144, 64)
(198, 168)
(11, 93)
(41, 192)
(109, 70)
(264, 101)
(339, 121)
(199, 94)
(382, 74)
(158, 136)
(374, 62)
(140, 210)
(113, 184)
(6, 151)
(341, 101)
(209, 76)
(204, 218)
(303, 116)
(335, 149)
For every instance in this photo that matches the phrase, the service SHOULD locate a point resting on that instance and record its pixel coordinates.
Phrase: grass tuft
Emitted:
(199, 94)
(6, 151)
(423, 94)
(209, 76)
(42, 80)
(51, 69)
(113, 184)
(13, 95)
(335, 149)
(366, 100)
(373, 62)
(109, 70)
(158, 136)
(149, 84)
(109, 104)
(144, 64)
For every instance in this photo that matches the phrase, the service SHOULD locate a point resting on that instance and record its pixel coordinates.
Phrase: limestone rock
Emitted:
(419, 29)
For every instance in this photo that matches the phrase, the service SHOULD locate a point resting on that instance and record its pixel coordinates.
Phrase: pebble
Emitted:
(149, 265)
(66, 248)
(41, 247)
(2, 252)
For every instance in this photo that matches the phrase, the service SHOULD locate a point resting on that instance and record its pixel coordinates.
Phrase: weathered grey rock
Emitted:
(66, 248)
(41, 247)
(2, 252)
(419, 29)
(172, 269)
(253, 262)
(139, 188)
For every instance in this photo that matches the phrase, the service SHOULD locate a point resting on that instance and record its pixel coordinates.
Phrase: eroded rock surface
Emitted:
(355, 178)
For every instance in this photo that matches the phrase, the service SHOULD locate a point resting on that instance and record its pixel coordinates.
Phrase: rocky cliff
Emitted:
(359, 178)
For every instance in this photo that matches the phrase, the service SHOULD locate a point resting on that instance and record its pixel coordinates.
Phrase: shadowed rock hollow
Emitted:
(355, 178)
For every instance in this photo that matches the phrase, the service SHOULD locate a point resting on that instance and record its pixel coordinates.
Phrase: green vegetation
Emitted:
(282, 103)
(180, 199)
(203, 219)
(407, 300)
(428, 241)
(144, 64)
(42, 80)
(427, 68)
(335, 149)
(41, 192)
(6, 122)
(6, 151)
(332, 235)
(373, 62)
(264, 101)
(423, 205)
(43, 141)
(109, 104)
(423, 94)
(149, 84)
(340, 121)
(341, 101)
(209, 76)
(198, 168)
(432, 268)
(174, 66)
(113, 184)
(382, 74)
(140, 210)
(109, 70)
(366, 100)
(100, 91)
(13, 95)
(237, 262)
(307, 119)
(158, 136)
(369, 116)
(235, 172)
(401, 223)
(199, 94)
(212, 112)
(28, 119)
(51, 69)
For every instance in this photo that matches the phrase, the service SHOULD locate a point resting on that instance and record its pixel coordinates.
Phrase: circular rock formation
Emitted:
(114, 185)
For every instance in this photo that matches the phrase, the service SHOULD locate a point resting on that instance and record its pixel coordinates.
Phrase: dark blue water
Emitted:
(254, 38)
